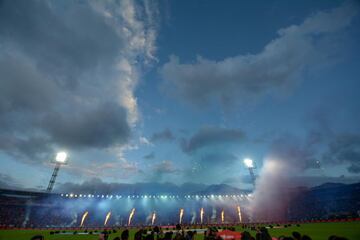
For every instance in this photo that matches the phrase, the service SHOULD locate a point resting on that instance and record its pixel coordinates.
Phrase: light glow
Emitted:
(248, 162)
(201, 215)
(153, 217)
(61, 157)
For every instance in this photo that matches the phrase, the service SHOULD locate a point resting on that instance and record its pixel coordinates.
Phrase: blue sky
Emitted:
(179, 91)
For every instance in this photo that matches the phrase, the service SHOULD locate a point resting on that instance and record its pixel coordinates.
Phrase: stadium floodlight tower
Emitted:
(249, 163)
(60, 159)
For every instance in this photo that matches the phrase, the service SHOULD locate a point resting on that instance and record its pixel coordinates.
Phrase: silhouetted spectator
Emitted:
(296, 235)
(37, 237)
(287, 238)
(168, 236)
(138, 234)
(246, 236)
(306, 237)
(125, 235)
(265, 234)
(333, 237)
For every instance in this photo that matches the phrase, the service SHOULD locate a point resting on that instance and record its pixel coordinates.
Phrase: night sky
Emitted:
(178, 91)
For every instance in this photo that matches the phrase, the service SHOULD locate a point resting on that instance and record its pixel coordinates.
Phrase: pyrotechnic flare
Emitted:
(107, 218)
(131, 216)
(181, 215)
(153, 217)
(201, 215)
(83, 218)
(222, 216)
(239, 213)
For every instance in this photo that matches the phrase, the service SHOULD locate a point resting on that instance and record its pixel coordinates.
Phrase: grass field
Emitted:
(317, 231)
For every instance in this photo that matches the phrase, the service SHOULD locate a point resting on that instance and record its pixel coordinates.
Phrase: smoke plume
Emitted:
(275, 187)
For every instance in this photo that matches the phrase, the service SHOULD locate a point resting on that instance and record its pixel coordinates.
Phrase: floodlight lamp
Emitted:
(248, 162)
(61, 157)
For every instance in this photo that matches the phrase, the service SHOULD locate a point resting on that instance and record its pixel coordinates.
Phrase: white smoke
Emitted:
(275, 186)
(27, 214)
(213, 215)
(193, 217)
(117, 219)
(74, 220)
(148, 218)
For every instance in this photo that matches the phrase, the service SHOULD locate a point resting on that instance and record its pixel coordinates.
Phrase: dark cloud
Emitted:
(277, 68)
(164, 167)
(62, 39)
(27, 149)
(102, 127)
(319, 149)
(23, 88)
(160, 170)
(60, 85)
(208, 136)
(344, 149)
(294, 152)
(218, 158)
(150, 156)
(165, 135)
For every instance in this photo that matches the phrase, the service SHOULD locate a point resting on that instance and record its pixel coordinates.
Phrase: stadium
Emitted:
(25, 214)
(179, 120)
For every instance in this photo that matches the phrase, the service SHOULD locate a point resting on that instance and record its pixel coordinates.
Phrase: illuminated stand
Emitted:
(249, 163)
(60, 159)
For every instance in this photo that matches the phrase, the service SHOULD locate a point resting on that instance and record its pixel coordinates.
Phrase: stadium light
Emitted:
(249, 163)
(60, 159)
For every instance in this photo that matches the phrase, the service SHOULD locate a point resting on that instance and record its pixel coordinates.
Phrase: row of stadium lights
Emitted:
(71, 195)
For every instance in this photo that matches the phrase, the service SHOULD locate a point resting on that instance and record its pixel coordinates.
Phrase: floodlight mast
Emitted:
(59, 160)
(249, 163)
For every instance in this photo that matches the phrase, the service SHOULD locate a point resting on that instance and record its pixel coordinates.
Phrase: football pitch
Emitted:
(317, 231)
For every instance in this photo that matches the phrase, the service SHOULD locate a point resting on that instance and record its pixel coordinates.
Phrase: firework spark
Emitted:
(107, 218)
(201, 215)
(239, 213)
(131, 216)
(83, 218)
(153, 217)
(181, 215)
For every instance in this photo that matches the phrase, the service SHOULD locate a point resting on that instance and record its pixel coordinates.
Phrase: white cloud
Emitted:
(137, 26)
(88, 57)
(276, 67)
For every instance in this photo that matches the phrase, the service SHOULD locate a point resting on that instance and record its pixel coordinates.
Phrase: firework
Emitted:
(181, 215)
(153, 217)
(83, 218)
(239, 213)
(201, 215)
(107, 218)
(222, 216)
(131, 216)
